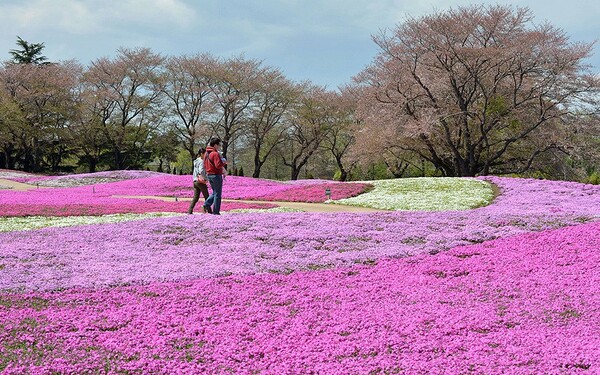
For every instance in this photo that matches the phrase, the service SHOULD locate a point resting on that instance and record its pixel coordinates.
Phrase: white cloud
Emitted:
(308, 37)
(89, 17)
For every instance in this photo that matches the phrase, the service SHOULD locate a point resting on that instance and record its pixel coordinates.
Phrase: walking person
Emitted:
(215, 169)
(200, 182)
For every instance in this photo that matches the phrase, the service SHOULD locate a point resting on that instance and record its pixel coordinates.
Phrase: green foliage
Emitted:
(496, 107)
(29, 53)
(182, 163)
(594, 178)
(337, 175)
(376, 171)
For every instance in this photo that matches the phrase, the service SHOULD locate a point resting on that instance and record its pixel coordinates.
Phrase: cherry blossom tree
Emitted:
(475, 90)
(307, 128)
(343, 128)
(275, 95)
(234, 92)
(189, 86)
(128, 90)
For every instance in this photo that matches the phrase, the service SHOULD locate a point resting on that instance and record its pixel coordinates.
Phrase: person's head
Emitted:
(214, 141)
(201, 152)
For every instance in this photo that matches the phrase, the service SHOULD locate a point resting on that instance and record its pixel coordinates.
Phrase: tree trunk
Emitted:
(295, 172)
(257, 164)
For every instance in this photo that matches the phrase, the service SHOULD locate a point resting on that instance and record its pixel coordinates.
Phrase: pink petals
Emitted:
(523, 304)
(101, 198)
(505, 291)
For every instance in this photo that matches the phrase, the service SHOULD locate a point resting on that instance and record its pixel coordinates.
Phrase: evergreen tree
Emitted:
(29, 53)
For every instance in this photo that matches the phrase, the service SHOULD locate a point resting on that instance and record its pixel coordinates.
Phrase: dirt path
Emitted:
(307, 207)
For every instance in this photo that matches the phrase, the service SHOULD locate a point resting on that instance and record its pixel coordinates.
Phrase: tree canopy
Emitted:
(28, 53)
(475, 90)
(470, 91)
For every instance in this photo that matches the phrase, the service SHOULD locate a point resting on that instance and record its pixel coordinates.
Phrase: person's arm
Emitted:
(202, 177)
(216, 159)
(195, 171)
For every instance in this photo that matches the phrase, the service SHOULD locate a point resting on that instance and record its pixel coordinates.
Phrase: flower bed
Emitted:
(85, 178)
(525, 304)
(302, 292)
(12, 224)
(316, 193)
(169, 248)
(10, 174)
(424, 194)
(99, 198)
(55, 206)
(290, 191)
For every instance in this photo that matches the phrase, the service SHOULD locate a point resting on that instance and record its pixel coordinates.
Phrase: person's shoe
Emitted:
(207, 209)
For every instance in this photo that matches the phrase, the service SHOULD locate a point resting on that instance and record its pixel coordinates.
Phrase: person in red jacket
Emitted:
(215, 168)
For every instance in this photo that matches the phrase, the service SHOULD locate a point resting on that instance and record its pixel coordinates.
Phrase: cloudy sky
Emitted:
(326, 41)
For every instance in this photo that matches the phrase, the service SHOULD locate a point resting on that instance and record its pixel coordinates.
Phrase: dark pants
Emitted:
(198, 188)
(216, 184)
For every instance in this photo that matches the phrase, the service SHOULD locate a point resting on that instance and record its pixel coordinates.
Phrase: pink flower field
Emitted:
(509, 288)
(80, 195)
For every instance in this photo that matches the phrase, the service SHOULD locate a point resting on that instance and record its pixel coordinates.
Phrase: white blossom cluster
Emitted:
(10, 224)
(424, 194)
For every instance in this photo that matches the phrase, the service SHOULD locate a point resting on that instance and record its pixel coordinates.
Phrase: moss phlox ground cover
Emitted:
(424, 194)
(74, 197)
(475, 283)
(472, 309)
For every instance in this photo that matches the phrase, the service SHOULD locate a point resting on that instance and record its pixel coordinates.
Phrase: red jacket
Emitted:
(212, 161)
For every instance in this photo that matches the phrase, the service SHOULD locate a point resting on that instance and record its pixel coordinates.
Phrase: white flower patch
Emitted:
(8, 174)
(424, 194)
(13, 224)
(73, 182)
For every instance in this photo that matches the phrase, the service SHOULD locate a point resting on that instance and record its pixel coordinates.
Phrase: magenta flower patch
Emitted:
(495, 290)
(102, 198)
(525, 304)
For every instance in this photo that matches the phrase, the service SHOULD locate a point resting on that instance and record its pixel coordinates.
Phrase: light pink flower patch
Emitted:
(525, 304)
(176, 248)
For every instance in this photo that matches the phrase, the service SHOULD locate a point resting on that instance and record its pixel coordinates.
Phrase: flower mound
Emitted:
(525, 304)
(425, 194)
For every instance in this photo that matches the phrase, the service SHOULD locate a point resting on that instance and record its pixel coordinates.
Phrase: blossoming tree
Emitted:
(475, 90)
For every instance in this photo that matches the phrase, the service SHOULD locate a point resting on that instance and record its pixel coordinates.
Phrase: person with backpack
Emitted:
(215, 169)
(200, 182)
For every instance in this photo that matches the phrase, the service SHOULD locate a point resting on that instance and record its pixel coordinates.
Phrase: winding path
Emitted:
(13, 185)
(304, 206)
